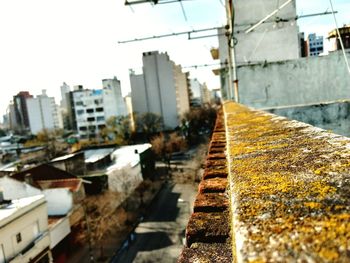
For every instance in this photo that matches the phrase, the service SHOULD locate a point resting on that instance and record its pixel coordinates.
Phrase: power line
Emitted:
(155, 2)
(175, 34)
(278, 19)
(340, 39)
(268, 16)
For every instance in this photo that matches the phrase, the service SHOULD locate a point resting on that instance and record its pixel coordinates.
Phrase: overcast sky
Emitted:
(44, 43)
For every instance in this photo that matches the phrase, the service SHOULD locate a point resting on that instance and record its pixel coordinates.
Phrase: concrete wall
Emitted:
(156, 90)
(333, 116)
(183, 102)
(295, 82)
(138, 93)
(270, 41)
(42, 113)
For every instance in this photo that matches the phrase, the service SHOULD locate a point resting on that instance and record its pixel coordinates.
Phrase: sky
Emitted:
(44, 43)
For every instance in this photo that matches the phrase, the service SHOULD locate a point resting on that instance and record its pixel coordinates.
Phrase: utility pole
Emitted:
(233, 92)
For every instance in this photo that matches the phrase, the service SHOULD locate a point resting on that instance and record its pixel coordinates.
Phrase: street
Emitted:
(160, 236)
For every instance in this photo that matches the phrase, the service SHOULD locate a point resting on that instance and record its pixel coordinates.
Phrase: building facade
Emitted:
(345, 36)
(24, 235)
(315, 45)
(43, 113)
(21, 111)
(200, 93)
(162, 89)
(89, 110)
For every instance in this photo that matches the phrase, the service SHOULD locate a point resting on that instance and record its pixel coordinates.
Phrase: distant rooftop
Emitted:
(43, 172)
(126, 155)
(94, 155)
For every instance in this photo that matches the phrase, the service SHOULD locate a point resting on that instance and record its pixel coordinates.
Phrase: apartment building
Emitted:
(43, 113)
(89, 110)
(161, 89)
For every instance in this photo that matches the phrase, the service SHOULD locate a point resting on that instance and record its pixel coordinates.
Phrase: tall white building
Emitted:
(200, 93)
(161, 89)
(43, 113)
(65, 89)
(90, 109)
(113, 98)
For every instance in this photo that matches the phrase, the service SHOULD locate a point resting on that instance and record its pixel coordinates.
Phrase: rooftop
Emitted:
(43, 172)
(94, 155)
(19, 207)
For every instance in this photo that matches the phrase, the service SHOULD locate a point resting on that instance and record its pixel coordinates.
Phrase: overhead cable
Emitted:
(339, 36)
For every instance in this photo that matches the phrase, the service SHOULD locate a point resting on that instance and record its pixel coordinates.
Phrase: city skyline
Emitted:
(46, 44)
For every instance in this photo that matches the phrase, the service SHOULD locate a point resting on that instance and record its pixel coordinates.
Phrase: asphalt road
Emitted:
(160, 236)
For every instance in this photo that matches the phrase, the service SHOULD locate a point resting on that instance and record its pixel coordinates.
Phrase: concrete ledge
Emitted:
(208, 231)
(290, 189)
(202, 252)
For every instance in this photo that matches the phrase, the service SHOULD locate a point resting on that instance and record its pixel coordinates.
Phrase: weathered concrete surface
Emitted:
(295, 82)
(332, 116)
(208, 230)
(290, 189)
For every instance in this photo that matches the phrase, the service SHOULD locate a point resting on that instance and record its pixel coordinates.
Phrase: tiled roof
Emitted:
(43, 172)
(73, 184)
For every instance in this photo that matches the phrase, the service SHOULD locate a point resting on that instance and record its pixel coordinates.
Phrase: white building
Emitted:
(65, 89)
(315, 45)
(43, 113)
(200, 93)
(161, 89)
(113, 100)
(90, 109)
(24, 235)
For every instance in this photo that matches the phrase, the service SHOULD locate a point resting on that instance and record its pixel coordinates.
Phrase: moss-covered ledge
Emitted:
(289, 189)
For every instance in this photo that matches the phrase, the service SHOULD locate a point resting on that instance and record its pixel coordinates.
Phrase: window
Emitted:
(91, 119)
(79, 103)
(90, 110)
(99, 109)
(100, 118)
(100, 127)
(82, 128)
(80, 112)
(18, 238)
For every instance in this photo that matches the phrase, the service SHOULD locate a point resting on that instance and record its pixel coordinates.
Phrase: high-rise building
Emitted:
(315, 45)
(21, 111)
(90, 109)
(200, 93)
(65, 89)
(43, 113)
(113, 98)
(162, 89)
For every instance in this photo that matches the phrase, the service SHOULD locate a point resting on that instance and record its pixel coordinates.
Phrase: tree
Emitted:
(198, 121)
(118, 129)
(163, 146)
(101, 218)
(48, 138)
(149, 123)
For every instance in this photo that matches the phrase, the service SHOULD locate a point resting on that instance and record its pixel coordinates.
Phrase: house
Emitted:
(24, 234)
